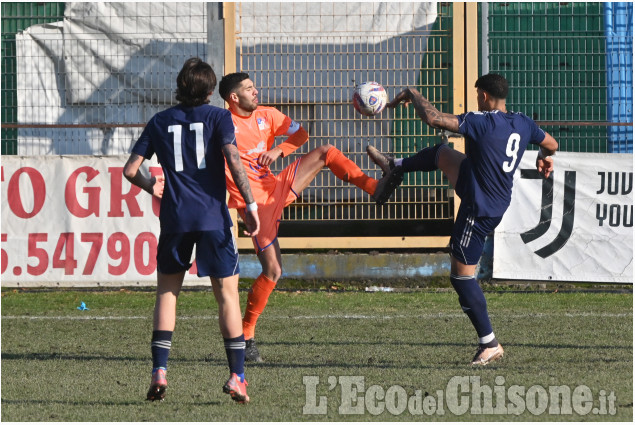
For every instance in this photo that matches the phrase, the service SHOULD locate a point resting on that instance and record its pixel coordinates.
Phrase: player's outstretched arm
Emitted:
(544, 161)
(131, 171)
(241, 180)
(426, 111)
(297, 137)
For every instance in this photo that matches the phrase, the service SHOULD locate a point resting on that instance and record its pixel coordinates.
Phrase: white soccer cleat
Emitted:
(487, 355)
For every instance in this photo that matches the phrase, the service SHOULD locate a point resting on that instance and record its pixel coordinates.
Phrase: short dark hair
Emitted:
(229, 83)
(195, 82)
(496, 85)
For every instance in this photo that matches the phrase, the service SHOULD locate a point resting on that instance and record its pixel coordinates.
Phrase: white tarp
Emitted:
(317, 52)
(109, 62)
(105, 63)
(577, 226)
(129, 53)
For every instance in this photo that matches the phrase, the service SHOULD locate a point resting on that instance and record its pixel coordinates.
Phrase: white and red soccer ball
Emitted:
(369, 98)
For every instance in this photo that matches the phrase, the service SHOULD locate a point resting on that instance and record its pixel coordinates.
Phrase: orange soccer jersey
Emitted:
(254, 135)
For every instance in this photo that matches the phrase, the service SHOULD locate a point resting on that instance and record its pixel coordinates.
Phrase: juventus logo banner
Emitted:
(577, 225)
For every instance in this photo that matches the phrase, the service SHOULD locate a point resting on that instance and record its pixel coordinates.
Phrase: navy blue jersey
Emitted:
(495, 143)
(188, 143)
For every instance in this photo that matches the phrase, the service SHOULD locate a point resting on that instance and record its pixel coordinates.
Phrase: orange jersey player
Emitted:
(256, 129)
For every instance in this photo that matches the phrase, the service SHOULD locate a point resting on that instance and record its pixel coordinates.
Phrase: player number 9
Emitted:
(513, 144)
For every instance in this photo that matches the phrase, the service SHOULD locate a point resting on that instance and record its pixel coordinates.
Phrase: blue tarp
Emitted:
(618, 28)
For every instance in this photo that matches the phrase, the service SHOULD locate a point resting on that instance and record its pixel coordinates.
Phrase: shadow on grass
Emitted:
(102, 404)
(212, 360)
(450, 344)
(73, 357)
(212, 357)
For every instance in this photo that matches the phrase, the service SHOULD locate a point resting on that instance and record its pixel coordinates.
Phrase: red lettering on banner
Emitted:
(5, 256)
(39, 192)
(151, 240)
(194, 268)
(65, 243)
(118, 253)
(70, 193)
(117, 197)
(39, 253)
(156, 202)
(95, 239)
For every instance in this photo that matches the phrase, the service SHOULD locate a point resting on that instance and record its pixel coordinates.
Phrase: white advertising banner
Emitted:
(575, 226)
(77, 219)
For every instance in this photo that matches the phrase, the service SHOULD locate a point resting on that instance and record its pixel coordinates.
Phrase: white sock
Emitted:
(486, 338)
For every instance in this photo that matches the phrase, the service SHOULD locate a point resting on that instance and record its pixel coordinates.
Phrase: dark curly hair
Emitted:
(229, 83)
(496, 85)
(195, 82)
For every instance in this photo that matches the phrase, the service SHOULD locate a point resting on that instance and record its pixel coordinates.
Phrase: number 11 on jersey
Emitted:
(197, 128)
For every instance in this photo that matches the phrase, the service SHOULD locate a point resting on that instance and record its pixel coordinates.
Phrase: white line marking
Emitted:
(327, 316)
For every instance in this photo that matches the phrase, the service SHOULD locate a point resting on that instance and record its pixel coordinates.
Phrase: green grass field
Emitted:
(62, 364)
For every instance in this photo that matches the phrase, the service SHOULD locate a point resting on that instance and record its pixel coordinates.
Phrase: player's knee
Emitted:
(276, 275)
(273, 272)
(323, 150)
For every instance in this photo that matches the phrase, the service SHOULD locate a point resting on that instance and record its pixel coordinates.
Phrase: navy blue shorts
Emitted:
(468, 234)
(216, 253)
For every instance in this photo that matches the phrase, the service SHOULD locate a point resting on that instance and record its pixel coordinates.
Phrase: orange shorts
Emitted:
(270, 209)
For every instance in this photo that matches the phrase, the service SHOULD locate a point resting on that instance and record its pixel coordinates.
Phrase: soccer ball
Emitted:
(369, 98)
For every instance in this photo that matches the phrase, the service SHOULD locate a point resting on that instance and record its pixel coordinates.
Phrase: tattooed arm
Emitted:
(428, 113)
(544, 161)
(242, 183)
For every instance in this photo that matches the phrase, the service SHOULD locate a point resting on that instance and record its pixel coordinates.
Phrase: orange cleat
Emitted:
(237, 389)
(158, 385)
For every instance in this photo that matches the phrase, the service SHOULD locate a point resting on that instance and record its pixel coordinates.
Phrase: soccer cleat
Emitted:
(236, 389)
(392, 176)
(486, 355)
(387, 185)
(158, 385)
(251, 351)
(385, 162)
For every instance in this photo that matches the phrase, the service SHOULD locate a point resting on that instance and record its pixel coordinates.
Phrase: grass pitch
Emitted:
(63, 364)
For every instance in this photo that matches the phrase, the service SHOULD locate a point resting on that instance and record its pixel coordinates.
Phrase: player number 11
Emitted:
(513, 144)
(197, 127)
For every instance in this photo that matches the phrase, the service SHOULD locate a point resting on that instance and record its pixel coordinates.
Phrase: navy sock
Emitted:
(235, 350)
(160, 346)
(473, 303)
(424, 160)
